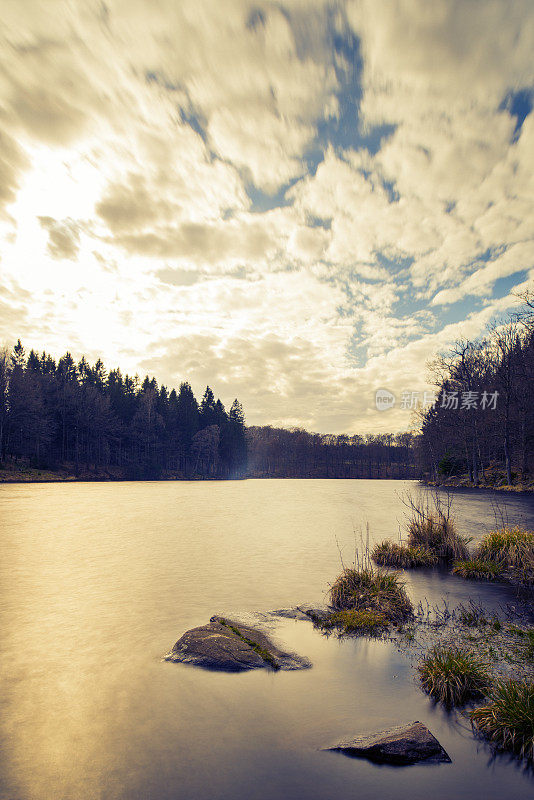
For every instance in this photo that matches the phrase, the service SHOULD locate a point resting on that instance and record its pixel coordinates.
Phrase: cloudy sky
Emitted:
(298, 202)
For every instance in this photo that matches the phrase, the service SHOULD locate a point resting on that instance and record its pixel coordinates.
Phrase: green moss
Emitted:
(261, 651)
(355, 621)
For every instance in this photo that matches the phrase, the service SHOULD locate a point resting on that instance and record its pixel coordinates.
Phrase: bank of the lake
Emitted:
(523, 487)
(15, 472)
(491, 479)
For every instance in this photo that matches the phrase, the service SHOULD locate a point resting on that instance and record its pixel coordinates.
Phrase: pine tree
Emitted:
(186, 422)
(34, 363)
(18, 356)
(84, 371)
(236, 412)
(208, 412)
(237, 456)
(99, 375)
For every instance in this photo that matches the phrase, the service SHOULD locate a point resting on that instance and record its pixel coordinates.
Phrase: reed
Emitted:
(477, 569)
(509, 547)
(508, 719)
(389, 554)
(453, 675)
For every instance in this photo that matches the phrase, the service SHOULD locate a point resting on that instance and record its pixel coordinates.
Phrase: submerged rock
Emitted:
(227, 645)
(405, 744)
(303, 612)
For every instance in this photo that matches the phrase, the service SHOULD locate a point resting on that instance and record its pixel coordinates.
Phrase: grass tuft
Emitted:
(508, 547)
(436, 532)
(453, 675)
(512, 549)
(508, 720)
(477, 569)
(363, 621)
(370, 589)
(389, 554)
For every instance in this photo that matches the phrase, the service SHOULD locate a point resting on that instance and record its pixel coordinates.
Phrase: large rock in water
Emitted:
(405, 744)
(233, 647)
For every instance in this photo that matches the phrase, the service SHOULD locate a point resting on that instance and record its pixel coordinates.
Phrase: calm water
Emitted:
(99, 580)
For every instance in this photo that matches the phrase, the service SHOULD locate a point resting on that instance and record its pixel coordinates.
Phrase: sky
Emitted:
(297, 202)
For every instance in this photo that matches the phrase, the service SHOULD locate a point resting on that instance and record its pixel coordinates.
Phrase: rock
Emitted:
(290, 613)
(303, 612)
(227, 645)
(405, 744)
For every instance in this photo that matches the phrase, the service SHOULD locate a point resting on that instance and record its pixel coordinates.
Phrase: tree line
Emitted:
(296, 453)
(80, 415)
(482, 421)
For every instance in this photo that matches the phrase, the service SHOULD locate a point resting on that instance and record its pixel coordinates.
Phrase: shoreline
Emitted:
(23, 475)
(520, 488)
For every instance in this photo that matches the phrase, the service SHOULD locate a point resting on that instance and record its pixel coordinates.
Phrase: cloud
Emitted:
(63, 237)
(14, 314)
(178, 277)
(13, 161)
(517, 258)
(132, 207)
(203, 243)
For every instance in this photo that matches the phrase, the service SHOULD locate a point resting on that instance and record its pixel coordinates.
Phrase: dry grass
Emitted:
(477, 569)
(523, 574)
(389, 554)
(431, 527)
(508, 720)
(508, 546)
(370, 589)
(512, 550)
(453, 675)
(437, 533)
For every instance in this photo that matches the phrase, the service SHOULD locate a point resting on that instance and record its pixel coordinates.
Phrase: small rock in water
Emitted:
(405, 744)
(303, 612)
(227, 645)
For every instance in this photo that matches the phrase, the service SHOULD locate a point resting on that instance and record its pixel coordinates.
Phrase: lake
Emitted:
(98, 580)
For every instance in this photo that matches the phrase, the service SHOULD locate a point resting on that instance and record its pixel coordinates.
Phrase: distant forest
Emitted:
(281, 453)
(483, 420)
(92, 422)
(88, 419)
